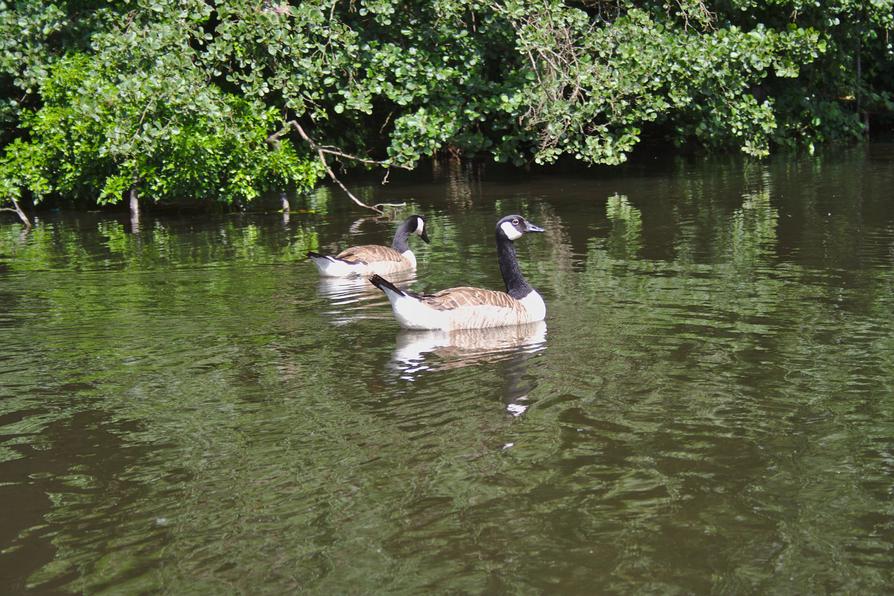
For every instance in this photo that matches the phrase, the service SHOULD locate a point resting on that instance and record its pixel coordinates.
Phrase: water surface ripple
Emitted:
(188, 408)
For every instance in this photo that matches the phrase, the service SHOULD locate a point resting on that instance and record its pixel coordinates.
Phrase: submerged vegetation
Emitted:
(224, 100)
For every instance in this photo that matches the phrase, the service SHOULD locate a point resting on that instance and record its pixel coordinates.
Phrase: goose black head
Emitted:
(514, 227)
(417, 226)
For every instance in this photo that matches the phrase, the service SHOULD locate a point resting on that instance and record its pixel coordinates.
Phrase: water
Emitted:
(187, 408)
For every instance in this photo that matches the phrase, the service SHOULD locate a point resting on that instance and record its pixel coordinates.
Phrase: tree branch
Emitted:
(322, 151)
(17, 209)
(292, 124)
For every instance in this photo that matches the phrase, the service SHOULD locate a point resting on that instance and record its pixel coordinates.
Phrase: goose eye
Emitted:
(515, 222)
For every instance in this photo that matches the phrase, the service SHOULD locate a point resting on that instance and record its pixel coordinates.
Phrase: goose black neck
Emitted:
(400, 243)
(516, 284)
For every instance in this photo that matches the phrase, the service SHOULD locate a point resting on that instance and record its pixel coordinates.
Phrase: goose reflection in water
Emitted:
(354, 298)
(419, 352)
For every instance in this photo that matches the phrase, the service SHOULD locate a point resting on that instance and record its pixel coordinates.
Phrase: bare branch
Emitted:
(292, 124)
(322, 151)
(17, 209)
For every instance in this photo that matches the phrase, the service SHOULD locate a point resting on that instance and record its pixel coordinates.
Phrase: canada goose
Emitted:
(373, 258)
(473, 308)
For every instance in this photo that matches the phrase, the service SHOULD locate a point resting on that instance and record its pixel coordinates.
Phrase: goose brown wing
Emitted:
(369, 253)
(459, 297)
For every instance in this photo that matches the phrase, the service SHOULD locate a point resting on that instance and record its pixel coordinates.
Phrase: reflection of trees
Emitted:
(102, 244)
(732, 358)
(463, 181)
(627, 227)
(751, 233)
(716, 393)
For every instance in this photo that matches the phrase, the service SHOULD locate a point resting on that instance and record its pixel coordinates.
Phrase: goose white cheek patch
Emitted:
(510, 231)
(420, 227)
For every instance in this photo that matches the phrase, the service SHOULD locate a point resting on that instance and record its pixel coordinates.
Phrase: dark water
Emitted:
(708, 408)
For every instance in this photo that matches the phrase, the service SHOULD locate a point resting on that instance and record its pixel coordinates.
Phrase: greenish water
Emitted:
(186, 408)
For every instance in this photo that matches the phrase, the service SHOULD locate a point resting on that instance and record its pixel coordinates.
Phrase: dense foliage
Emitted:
(179, 98)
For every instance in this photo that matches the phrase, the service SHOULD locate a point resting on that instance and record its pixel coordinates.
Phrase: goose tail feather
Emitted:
(386, 286)
(330, 266)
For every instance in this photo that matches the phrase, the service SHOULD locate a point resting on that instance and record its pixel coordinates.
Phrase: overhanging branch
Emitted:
(322, 151)
(17, 209)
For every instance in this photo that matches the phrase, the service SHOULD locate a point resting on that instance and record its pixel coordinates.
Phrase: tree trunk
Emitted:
(134, 209)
